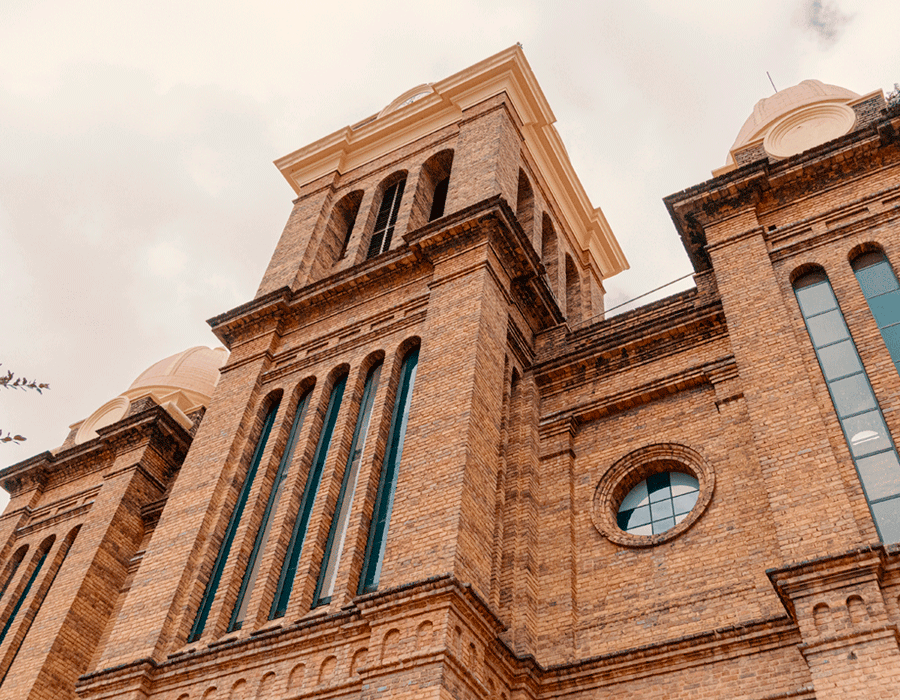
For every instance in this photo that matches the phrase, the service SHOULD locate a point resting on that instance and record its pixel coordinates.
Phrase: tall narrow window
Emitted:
(40, 595)
(384, 502)
(338, 531)
(12, 568)
(879, 285)
(35, 572)
(262, 535)
(210, 593)
(292, 556)
(387, 219)
(870, 443)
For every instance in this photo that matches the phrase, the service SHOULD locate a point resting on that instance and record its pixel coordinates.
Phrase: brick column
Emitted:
(811, 517)
(159, 608)
(558, 602)
(443, 517)
(488, 152)
(74, 614)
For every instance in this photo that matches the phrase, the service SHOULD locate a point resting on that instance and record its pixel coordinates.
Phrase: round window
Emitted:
(658, 503)
(652, 495)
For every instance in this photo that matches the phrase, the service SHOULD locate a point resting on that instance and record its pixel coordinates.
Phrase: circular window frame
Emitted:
(633, 468)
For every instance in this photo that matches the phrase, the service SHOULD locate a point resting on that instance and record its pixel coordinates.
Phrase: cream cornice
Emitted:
(506, 73)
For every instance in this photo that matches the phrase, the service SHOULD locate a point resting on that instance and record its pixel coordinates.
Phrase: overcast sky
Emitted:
(137, 192)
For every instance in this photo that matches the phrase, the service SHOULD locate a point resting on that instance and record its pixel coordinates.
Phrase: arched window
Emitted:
(40, 559)
(340, 227)
(212, 584)
(879, 285)
(525, 203)
(387, 485)
(387, 218)
(868, 439)
(550, 252)
(40, 593)
(338, 530)
(573, 292)
(12, 568)
(313, 480)
(431, 192)
(262, 535)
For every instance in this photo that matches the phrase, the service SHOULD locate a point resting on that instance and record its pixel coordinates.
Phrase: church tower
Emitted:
(360, 491)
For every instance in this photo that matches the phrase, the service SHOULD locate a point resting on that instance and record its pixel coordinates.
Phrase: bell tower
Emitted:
(359, 470)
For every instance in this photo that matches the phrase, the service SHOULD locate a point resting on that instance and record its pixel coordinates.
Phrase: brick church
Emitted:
(429, 467)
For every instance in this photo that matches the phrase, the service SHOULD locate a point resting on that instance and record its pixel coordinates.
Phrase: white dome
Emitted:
(798, 118)
(180, 384)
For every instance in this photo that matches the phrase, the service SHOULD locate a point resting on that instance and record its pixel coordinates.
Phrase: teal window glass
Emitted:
(387, 485)
(212, 585)
(35, 572)
(13, 568)
(868, 439)
(338, 530)
(879, 285)
(658, 503)
(313, 479)
(262, 535)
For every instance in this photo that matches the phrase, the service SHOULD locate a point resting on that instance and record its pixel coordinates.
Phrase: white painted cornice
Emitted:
(442, 104)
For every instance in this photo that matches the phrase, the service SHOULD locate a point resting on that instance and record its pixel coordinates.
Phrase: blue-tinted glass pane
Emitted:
(816, 299)
(891, 337)
(886, 308)
(684, 504)
(636, 497)
(661, 509)
(642, 530)
(682, 483)
(877, 279)
(839, 360)
(887, 517)
(633, 518)
(880, 475)
(852, 395)
(680, 516)
(866, 433)
(663, 525)
(827, 328)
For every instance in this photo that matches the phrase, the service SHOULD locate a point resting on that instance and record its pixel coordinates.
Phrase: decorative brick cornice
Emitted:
(492, 216)
(814, 170)
(153, 426)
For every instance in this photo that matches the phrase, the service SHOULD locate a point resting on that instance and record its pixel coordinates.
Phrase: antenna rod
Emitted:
(772, 81)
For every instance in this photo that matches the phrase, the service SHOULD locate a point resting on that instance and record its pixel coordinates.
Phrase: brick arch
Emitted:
(863, 248)
(633, 468)
(525, 203)
(337, 234)
(379, 235)
(804, 269)
(574, 306)
(550, 252)
(432, 188)
(358, 660)
(390, 646)
(266, 686)
(296, 677)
